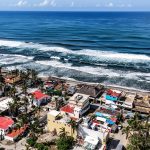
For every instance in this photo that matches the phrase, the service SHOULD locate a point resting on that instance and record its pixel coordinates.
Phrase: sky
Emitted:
(75, 5)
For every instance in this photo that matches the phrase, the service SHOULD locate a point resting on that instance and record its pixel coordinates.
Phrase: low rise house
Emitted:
(128, 103)
(4, 103)
(16, 133)
(12, 79)
(111, 96)
(71, 90)
(90, 142)
(142, 104)
(55, 122)
(101, 135)
(77, 106)
(91, 90)
(40, 98)
(5, 124)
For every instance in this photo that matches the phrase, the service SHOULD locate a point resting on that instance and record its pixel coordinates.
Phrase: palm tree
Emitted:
(24, 87)
(25, 103)
(138, 134)
(63, 133)
(127, 131)
(73, 126)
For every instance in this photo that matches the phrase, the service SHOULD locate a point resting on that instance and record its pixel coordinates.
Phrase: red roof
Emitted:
(6, 122)
(67, 109)
(38, 95)
(114, 119)
(113, 93)
(96, 122)
(16, 133)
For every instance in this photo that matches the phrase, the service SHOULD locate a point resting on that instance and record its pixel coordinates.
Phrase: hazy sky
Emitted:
(87, 5)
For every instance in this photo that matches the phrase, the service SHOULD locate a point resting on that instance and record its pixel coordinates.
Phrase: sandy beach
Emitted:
(75, 82)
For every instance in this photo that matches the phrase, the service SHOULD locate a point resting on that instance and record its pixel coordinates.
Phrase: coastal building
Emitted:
(5, 124)
(4, 103)
(91, 90)
(142, 104)
(128, 103)
(71, 90)
(12, 79)
(56, 121)
(16, 133)
(40, 98)
(77, 106)
(110, 96)
(92, 138)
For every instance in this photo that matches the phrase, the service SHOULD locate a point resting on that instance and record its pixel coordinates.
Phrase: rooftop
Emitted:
(67, 109)
(16, 133)
(54, 113)
(39, 95)
(114, 93)
(4, 103)
(91, 90)
(5, 122)
(78, 97)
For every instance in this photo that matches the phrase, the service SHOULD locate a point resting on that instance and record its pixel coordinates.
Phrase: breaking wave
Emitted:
(102, 55)
(85, 65)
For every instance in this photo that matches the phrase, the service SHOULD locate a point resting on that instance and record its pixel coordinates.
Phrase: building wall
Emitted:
(83, 131)
(57, 125)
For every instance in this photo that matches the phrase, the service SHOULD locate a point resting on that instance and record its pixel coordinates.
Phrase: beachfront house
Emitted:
(128, 103)
(77, 106)
(142, 104)
(12, 79)
(40, 98)
(110, 97)
(91, 90)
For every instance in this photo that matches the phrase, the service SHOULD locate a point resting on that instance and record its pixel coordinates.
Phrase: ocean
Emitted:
(112, 48)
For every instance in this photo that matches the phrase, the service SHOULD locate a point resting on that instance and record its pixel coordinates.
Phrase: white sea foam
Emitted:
(96, 70)
(12, 59)
(97, 54)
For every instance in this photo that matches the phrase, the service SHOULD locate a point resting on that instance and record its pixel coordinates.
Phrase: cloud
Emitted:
(43, 3)
(46, 3)
(110, 4)
(21, 3)
(72, 4)
(53, 3)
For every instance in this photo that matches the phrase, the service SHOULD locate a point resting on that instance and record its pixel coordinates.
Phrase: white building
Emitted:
(4, 103)
(77, 106)
(40, 98)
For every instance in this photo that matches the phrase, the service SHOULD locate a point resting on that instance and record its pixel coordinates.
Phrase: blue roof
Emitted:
(111, 98)
(110, 121)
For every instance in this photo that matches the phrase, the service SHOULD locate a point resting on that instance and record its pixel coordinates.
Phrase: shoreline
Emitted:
(117, 87)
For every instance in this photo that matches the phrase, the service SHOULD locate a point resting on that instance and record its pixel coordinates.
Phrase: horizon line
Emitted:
(74, 11)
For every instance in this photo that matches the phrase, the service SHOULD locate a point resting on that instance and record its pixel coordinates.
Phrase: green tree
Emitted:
(137, 131)
(64, 142)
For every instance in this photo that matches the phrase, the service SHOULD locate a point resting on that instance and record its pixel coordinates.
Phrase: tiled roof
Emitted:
(67, 109)
(16, 133)
(93, 91)
(5, 122)
(38, 95)
(113, 93)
